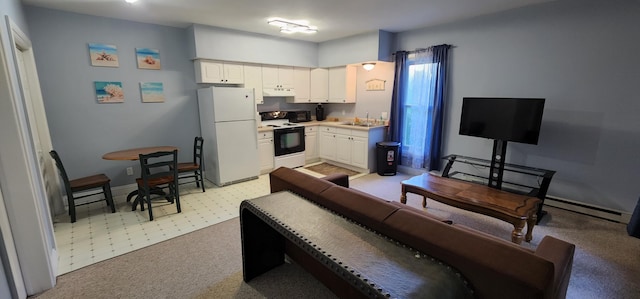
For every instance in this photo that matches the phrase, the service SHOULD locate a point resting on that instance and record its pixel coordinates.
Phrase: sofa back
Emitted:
(495, 268)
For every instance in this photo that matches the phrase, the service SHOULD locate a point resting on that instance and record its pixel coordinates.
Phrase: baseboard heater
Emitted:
(586, 209)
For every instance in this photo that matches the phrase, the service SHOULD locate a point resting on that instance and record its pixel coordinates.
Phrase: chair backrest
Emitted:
(61, 170)
(198, 142)
(158, 165)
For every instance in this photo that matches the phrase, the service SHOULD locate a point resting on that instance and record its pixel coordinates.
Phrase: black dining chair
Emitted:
(83, 184)
(159, 171)
(192, 171)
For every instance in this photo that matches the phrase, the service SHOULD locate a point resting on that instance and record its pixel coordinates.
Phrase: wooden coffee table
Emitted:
(510, 207)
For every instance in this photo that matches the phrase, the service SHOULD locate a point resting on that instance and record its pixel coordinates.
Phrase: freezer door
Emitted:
(233, 103)
(237, 147)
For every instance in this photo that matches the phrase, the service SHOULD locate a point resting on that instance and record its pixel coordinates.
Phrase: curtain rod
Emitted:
(422, 49)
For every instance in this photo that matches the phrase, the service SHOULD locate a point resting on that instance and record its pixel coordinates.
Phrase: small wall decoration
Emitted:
(152, 92)
(375, 84)
(103, 55)
(148, 58)
(109, 92)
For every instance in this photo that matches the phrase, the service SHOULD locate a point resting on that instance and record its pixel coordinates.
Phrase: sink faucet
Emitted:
(367, 123)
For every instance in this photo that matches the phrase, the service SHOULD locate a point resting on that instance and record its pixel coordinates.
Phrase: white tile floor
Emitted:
(98, 234)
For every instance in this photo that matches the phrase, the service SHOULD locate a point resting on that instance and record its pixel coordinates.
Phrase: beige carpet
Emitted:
(208, 263)
(327, 169)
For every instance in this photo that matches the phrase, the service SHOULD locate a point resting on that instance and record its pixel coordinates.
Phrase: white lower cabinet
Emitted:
(350, 147)
(266, 152)
(311, 144)
(327, 144)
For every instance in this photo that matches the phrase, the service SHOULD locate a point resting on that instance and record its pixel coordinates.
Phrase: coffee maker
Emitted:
(320, 112)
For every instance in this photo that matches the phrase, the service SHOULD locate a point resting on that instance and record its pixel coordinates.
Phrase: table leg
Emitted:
(516, 235)
(403, 197)
(531, 221)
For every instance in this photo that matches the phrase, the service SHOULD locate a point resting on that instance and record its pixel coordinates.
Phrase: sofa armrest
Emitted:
(339, 179)
(560, 253)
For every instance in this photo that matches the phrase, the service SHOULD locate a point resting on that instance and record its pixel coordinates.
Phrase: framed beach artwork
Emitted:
(148, 58)
(152, 92)
(109, 92)
(103, 55)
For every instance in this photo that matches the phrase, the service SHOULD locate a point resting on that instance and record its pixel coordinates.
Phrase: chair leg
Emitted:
(199, 176)
(148, 197)
(107, 194)
(177, 197)
(195, 174)
(72, 207)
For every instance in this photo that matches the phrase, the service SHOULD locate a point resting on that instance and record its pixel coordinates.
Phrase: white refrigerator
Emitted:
(228, 126)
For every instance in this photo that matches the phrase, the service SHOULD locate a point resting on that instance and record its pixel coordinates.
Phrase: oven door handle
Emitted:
(286, 130)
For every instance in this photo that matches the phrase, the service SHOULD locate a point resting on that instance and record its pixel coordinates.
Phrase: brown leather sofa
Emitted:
(494, 267)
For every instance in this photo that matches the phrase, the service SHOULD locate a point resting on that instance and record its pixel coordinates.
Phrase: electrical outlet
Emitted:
(129, 170)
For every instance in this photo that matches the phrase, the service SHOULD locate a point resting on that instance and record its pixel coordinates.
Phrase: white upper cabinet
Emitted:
(218, 72)
(319, 87)
(342, 84)
(253, 79)
(301, 81)
(277, 77)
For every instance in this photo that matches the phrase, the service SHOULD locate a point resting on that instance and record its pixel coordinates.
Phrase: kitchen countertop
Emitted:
(337, 124)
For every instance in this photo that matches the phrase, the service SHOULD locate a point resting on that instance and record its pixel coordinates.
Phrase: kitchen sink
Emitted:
(350, 123)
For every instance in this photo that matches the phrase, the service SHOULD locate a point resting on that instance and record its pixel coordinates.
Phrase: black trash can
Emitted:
(387, 157)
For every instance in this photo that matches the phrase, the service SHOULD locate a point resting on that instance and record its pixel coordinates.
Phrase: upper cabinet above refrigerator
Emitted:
(216, 72)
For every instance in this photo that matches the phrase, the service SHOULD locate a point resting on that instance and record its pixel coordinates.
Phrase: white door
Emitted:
(232, 103)
(40, 135)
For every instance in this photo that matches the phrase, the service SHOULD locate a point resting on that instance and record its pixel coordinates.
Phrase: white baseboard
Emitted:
(587, 209)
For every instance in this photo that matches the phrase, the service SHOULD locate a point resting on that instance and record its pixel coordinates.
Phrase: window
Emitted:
(418, 107)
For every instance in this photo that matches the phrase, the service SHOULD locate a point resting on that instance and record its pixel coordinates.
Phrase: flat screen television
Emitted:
(506, 119)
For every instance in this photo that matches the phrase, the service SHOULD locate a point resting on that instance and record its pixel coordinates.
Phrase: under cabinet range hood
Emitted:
(278, 92)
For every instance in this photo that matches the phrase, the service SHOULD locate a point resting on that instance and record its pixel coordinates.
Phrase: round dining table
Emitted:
(134, 153)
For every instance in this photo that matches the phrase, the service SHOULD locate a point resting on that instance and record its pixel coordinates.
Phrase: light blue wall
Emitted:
(83, 130)
(353, 49)
(582, 56)
(232, 45)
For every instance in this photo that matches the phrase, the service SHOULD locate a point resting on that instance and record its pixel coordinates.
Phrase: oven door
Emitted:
(288, 140)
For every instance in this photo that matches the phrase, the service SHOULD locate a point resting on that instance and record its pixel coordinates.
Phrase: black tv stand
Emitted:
(497, 169)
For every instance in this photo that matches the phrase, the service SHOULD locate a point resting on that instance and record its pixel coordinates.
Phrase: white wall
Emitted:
(582, 56)
(232, 45)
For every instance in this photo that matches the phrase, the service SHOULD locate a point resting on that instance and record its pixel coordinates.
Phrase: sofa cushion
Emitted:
(356, 205)
(297, 182)
(483, 260)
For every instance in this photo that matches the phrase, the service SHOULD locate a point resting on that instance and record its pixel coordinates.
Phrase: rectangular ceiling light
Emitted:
(287, 26)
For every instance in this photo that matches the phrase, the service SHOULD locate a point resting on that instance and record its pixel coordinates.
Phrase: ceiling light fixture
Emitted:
(287, 26)
(368, 66)
(131, 1)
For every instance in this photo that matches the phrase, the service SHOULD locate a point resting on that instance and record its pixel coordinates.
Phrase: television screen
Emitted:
(508, 119)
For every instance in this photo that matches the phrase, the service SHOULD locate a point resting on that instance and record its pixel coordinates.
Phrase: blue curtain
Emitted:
(441, 59)
(427, 94)
(397, 100)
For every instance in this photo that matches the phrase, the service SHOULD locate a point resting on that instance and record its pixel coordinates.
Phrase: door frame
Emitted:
(33, 254)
